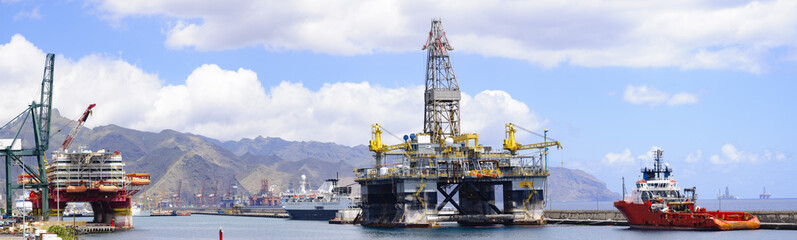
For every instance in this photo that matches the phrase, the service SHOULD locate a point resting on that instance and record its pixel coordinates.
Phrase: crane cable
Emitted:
(539, 135)
(391, 134)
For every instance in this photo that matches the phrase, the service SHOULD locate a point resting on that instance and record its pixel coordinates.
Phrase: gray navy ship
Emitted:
(320, 204)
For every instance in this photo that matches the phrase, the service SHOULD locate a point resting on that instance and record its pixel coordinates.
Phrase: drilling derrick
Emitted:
(402, 188)
(441, 98)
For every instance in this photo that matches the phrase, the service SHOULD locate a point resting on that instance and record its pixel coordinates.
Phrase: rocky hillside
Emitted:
(567, 184)
(172, 157)
(295, 151)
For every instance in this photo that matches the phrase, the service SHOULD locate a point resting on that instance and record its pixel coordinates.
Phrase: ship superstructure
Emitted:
(401, 189)
(320, 204)
(98, 178)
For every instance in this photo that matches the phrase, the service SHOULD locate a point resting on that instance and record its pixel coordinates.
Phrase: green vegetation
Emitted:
(63, 232)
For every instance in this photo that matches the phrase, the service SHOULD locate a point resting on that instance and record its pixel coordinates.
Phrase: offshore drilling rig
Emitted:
(401, 190)
(77, 176)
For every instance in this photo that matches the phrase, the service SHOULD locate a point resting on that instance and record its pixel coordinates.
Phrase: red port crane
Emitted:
(71, 136)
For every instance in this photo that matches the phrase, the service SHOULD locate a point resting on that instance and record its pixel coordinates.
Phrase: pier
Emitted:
(242, 212)
(782, 220)
(779, 220)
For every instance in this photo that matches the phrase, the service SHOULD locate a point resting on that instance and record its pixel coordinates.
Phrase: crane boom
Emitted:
(514, 146)
(80, 121)
(45, 106)
(39, 114)
(375, 145)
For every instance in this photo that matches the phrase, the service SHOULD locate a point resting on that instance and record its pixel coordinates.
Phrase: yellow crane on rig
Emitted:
(375, 145)
(513, 146)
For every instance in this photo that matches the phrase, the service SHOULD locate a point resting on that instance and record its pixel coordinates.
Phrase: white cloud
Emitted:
(730, 155)
(623, 158)
(694, 156)
(648, 95)
(649, 155)
(231, 104)
(33, 14)
(683, 34)
(682, 98)
(479, 115)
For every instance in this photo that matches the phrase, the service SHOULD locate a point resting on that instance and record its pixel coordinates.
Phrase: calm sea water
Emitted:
(207, 227)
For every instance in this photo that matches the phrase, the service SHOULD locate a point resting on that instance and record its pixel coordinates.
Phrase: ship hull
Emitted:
(640, 216)
(311, 214)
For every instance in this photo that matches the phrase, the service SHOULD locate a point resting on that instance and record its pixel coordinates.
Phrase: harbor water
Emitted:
(207, 227)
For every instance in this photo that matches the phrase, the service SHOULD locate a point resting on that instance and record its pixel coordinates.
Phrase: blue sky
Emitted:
(710, 82)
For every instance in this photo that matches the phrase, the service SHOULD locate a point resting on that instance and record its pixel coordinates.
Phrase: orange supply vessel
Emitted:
(657, 203)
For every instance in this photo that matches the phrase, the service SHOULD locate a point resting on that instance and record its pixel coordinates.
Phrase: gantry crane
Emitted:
(514, 146)
(80, 121)
(39, 114)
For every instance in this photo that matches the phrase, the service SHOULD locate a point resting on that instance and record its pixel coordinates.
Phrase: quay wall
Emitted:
(789, 217)
(763, 216)
(244, 210)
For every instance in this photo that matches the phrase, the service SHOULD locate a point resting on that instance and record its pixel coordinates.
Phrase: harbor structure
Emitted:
(14, 152)
(727, 195)
(83, 176)
(265, 197)
(98, 178)
(765, 194)
(401, 189)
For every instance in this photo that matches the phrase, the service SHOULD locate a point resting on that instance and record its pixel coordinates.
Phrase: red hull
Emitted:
(640, 216)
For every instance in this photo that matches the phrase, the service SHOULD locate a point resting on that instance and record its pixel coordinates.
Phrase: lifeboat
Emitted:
(108, 188)
(26, 179)
(139, 182)
(76, 189)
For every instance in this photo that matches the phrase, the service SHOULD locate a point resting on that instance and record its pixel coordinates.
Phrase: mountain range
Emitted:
(190, 162)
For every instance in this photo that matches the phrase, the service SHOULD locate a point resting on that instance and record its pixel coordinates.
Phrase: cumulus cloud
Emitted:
(622, 158)
(684, 34)
(654, 97)
(231, 104)
(479, 115)
(729, 154)
(694, 157)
